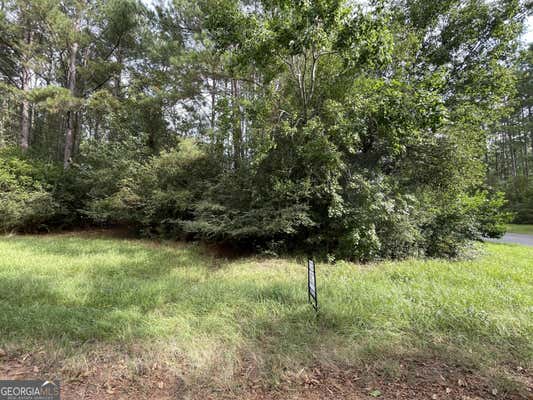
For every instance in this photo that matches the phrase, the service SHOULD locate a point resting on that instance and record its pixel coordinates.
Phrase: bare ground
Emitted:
(112, 377)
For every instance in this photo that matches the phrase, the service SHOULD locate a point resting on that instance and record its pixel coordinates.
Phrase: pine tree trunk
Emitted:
(529, 124)
(69, 138)
(524, 135)
(25, 123)
(25, 112)
(213, 104)
(118, 77)
(237, 132)
(512, 151)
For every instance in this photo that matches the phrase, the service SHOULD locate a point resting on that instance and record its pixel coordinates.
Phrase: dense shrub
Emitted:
(26, 192)
(97, 175)
(453, 222)
(181, 193)
(519, 193)
(157, 195)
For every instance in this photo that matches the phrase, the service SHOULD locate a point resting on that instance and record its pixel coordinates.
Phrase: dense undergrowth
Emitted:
(180, 193)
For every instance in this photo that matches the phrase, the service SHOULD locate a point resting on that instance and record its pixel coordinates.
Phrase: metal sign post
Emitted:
(311, 284)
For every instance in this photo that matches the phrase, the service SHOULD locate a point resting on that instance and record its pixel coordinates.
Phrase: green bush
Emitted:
(454, 221)
(96, 176)
(157, 196)
(181, 193)
(519, 193)
(373, 220)
(26, 192)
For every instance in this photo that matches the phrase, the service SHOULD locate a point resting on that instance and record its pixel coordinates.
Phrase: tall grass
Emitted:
(522, 229)
(71, 293)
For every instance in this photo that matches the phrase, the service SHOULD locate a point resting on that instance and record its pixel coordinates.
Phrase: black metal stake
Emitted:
(312, 295)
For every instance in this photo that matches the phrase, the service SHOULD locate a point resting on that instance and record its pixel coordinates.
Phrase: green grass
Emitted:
(70, 294)
(524, 229)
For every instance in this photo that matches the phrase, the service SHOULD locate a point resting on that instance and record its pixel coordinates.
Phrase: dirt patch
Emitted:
(101, 379)
(118, 232)
(115, 378)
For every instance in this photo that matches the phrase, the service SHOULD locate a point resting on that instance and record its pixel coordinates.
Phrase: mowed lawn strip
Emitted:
(71, 293)
(522, 229)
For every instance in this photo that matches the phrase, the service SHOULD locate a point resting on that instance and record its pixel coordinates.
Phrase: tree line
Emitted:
(354, 129)
(510, 143)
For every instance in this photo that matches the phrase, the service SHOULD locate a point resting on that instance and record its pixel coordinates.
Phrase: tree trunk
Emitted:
(523, 133)
(213, 103)
(25, 112)
(237, 132)
(96, 132)
(77, 133)
(118, 77)
(512, 151)
(4, 109)
(529, 124)
(25, 123)
(69, 138)
(505, 162)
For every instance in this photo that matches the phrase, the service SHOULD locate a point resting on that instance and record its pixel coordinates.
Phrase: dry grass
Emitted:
(212, 322)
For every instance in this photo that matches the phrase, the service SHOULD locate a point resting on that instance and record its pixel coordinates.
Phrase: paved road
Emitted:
(517, 238)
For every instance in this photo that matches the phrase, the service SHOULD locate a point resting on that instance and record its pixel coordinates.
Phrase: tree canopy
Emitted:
(352, 129)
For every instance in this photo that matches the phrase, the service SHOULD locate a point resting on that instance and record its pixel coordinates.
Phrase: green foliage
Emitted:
(510, 155)
(26, 192)
(519, 193)
(157, 195)
(336, 128)
(96, 176)
(489, 213)
(454, 219)
(55, 99)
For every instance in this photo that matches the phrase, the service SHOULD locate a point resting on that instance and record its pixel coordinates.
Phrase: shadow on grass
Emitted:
(109, 290)
(76, 290)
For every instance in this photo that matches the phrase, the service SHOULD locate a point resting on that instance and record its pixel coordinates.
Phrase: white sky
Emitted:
(528, 37)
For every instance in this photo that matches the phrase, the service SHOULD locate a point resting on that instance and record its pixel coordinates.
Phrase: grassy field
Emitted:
(524, 229)
(209, 318)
